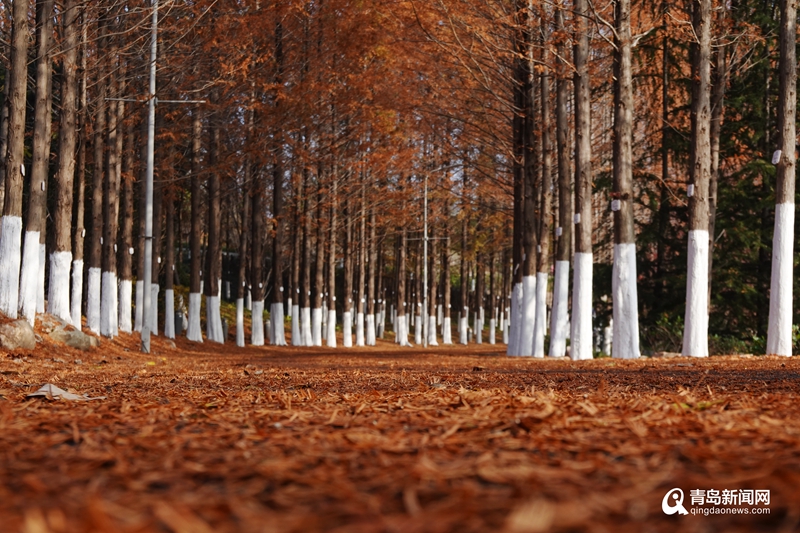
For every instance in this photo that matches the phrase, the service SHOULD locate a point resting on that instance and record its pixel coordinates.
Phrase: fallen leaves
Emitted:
(387, 440)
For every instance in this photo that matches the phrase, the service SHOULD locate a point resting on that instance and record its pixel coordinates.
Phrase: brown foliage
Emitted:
(210, 438)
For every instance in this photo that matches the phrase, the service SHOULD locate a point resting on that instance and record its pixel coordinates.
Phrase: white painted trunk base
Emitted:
(492, 328)
(240, 322)
(370, 331)
(109, 310)
(401, 324)
(316, 326)
(125, 305)
(305, 327)
(380, 323)
(76, 300)
(58, 297)
(439, 314)
(505, 325)
(360, 327)
(347, 329)
(463, 328)
(278, 335)
(137, 316)
(289, 307)
(418, 330)
(432, 331)
(154, 288)
(257, 323)
(515, 321)
(214, 320)
(29, 276)
(626, 303)
(478, 330)
(581, 334)
(40, 302)
(194, 332)
(527, 316)
(297, 338)
(779, 333)
(447, 331)
(169, 313)
(330, 337)
(248, 301)
(695, 328)
(10, 258)
(93, 301)
(540, 327)
(558, 318)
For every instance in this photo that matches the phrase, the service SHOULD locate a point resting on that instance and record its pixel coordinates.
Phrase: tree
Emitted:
(779, 336)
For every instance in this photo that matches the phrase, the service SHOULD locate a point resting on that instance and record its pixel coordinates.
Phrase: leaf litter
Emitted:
(216, 438)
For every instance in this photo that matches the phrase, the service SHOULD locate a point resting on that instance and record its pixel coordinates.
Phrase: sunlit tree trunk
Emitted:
(581, 335)
(58, 301)
(623, 283)
(214, 250)
(695, 333)
(79, 232)
(193, 331)
(37, 177)
(779, 334)
(559, 322)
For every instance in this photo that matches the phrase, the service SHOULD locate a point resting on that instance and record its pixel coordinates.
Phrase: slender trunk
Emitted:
(546, 209)
(193, 332)
(60, 260)
(563, 235)
(319, 273)
(581, 336)
(347, 319)
(169, 267)
(330, 336)
(214, 252)
(124, 254)
(624, 294)
(305, 282)
(695, 335)
(663, 204)
(35, 216)
(257, 227)
(719, 84)
(401, 322)
(362, 264)
(244, 256)
(11, 228)
(492, 299)
(79, 232)
(463, 325)
(779, 336)
(447, 335)
(278, 336)
(371, 284)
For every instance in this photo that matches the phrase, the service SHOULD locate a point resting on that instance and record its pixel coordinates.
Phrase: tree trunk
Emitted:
(193, 332)
(347, 318)
(244, 256)
(559, 316)
(169, 266)
(463, 320)
(362, 264)
(319, 273)
(546, 209)
(371, 293)
(61, 257)
(401, 322)
(695, 334)
(108, 302)
(11, 228)
(124, 254)
(330, 336)
(581, 335)
(278, 337)
(93, 292)
(779, 335)
(624, 295)
(305, 282)
(79, 233)
(447, 334)
(214, 252)
(35, 216)
(257, 226)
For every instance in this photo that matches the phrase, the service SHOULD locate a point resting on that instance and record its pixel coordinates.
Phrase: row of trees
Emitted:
(330, 127)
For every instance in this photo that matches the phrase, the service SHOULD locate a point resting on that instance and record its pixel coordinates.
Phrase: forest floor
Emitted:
(204, 437)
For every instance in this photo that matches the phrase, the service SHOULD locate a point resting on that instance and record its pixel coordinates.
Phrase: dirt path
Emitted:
(214, 438)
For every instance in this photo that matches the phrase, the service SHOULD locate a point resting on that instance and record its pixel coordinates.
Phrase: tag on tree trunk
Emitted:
(776, 157)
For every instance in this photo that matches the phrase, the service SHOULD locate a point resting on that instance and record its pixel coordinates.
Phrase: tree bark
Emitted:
(624, 294)
(695, 335)
(193, 332)
(779, 335)
(581, 336)
(214, 251)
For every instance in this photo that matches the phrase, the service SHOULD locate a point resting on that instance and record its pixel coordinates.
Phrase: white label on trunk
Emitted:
(259, 285)
(159, 260)
(101, 240)
(83, 232)
(690, 190)
(577, 218)
(776, 157)
(22, 169)
(281, 289)
(538, 248)
(615, 205)
(115, 247)
(42, 185)
(130, 250)
(559, 231)
(334, 298)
